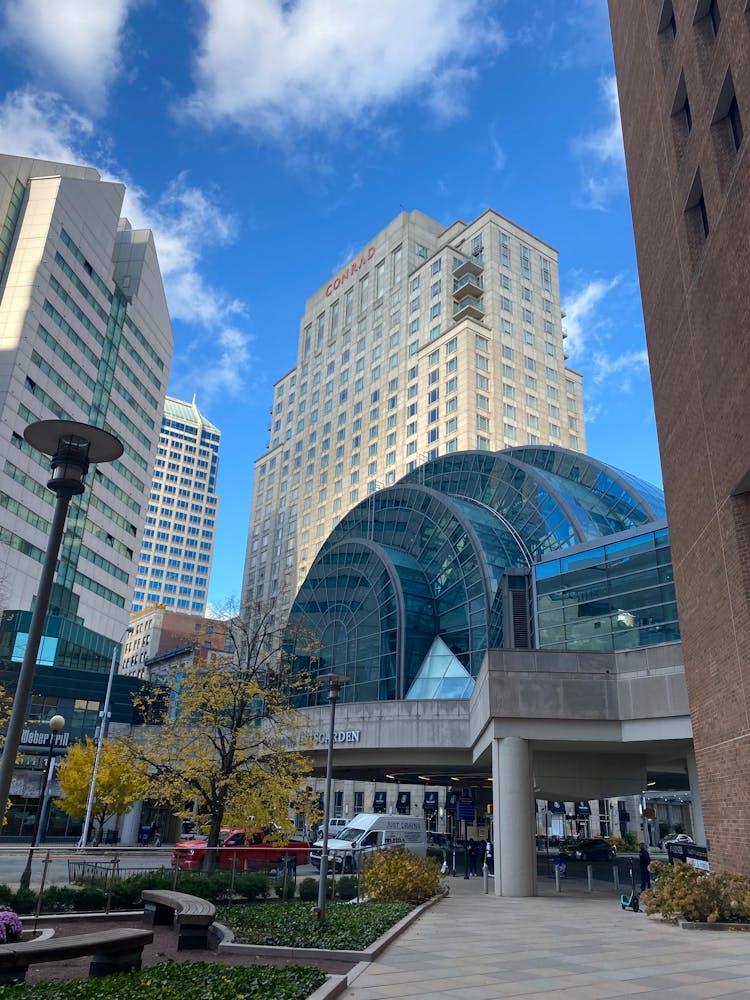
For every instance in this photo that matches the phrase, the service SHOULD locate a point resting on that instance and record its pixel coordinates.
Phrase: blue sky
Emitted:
(265, 141)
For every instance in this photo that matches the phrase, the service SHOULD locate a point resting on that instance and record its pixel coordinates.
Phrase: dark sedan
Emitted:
(593, 849)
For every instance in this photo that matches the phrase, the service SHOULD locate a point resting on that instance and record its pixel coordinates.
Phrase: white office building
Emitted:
(430, 340)
(178, 540)
(85, 335)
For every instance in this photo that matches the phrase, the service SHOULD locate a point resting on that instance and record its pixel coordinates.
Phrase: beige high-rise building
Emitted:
(85, 335)
(429, 340)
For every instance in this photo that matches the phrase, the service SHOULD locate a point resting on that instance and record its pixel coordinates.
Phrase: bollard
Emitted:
(616, 876)
(557, 879)
(590, 876)
(486, 878)
(454, 862)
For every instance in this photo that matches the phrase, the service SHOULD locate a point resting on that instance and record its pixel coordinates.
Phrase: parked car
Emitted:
(590, 849)
(243, 849)
(677, 838)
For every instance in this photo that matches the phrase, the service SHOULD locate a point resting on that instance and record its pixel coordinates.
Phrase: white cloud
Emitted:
(623, 366)
(42, 126)
(272, 64)
(73, 43)
(498, 153)
(601, 154)
(186, 222)
(580, 313)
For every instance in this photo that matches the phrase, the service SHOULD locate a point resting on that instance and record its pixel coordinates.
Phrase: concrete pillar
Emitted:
(495, 835)
(699, 831)
(130, 823)
(518, 849)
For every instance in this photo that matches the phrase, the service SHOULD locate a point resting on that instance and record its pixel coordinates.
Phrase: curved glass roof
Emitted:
(425, 560)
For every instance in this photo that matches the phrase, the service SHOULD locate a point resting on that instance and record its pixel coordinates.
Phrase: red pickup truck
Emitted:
(246, 850)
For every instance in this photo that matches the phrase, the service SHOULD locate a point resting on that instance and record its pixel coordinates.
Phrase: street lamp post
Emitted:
(56, 724)
(103, 727)
(334, 690)
(73, 447)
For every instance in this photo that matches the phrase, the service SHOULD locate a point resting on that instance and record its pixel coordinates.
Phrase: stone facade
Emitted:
(683, 76)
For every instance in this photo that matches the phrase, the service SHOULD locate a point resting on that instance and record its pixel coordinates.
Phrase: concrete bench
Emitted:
(117, 950)
(192, 916)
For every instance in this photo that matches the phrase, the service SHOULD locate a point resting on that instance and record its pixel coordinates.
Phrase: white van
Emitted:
(335, 825)
(367, 832)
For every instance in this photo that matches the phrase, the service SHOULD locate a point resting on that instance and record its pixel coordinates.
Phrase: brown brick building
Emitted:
(683, 73)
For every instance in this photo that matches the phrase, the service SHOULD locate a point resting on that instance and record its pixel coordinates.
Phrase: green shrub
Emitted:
(296, 924)
(697, 895)
(308, 890)
(89, 898)
(6, 894)
(58, 899)
(178, 980)
(24, 901)
(346, 888)
(256, 885)
(399, 876)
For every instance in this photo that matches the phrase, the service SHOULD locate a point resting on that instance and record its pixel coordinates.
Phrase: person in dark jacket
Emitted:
(645, 860)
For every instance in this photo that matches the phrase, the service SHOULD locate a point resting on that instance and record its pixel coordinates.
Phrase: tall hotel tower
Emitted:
(178, 541)
(85, 335)
(430, 340)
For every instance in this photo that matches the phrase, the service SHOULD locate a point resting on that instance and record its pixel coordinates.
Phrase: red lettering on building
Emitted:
(349, 270)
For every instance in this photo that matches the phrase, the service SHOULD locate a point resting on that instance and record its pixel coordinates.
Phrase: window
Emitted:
(483, 423)
(735, 123)
(451, 426)
(396, 266)
(504, 250)
(451, 366)
(379, 279)
(525, 253)
(476, 245)
(364, 293)
(451, 346)
(506, 304)
(714, 16)
(420, 250)
(481, 343)
(546, 266)
(483, 402)
(451, 385)
(436, 287)
(482, 382)
(695, 209)
(482, 363)
(413, 326)
(436, 266)
(451, 405)
(434, 310)
(433, 395)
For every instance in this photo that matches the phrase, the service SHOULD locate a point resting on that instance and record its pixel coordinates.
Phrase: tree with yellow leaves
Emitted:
(226, 746)
(119, 782)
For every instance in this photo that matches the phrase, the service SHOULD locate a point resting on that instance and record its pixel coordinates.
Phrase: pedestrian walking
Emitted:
(645, 859)
(488, 858)
(473, 857)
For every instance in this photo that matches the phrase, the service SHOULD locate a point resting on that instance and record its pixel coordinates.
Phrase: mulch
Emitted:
(163, 949)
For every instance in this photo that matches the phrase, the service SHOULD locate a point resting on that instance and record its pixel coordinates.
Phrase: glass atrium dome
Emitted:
(418, 580)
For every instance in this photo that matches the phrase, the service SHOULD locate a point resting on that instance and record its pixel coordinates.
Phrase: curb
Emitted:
(694, 925)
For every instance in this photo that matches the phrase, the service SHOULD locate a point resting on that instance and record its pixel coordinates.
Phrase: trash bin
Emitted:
(562, 866)
(143, 835)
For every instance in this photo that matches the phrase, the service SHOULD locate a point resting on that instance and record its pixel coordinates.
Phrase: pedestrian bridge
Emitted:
(540, 724)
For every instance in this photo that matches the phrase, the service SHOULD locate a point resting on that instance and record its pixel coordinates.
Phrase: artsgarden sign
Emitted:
(340, 736)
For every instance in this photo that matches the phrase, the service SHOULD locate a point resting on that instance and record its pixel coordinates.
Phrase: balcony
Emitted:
(468, 307)
(467, 265)
(470, 284)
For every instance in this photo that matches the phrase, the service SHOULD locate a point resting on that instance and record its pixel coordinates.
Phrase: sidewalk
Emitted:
(582, 945)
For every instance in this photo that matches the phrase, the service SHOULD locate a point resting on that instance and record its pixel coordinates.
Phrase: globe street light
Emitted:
(73, 447)
(334, 690)
(56, 724)
(103, 727)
